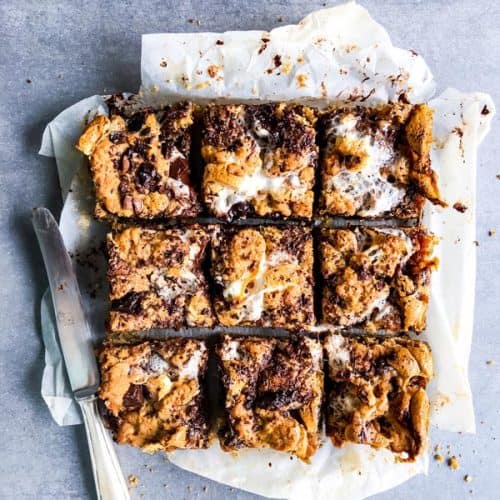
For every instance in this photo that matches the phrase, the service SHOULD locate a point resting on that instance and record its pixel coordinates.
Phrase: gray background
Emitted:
(71, 50)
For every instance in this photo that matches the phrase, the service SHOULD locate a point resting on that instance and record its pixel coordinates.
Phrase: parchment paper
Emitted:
(333, 54)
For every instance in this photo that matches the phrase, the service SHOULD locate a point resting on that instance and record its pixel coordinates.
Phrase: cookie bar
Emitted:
(156, 279)
(376, 393)
(273, 393)
(376, 279)
(260, 160)
(375, 162)
(263, 276)
(153, 393)
(140, 164)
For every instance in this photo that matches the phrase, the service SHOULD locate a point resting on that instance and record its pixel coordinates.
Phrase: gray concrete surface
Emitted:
(55, 53)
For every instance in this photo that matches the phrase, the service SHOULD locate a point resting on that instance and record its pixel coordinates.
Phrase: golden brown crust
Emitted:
(376, 161)
(153, 393)
(273, 393)
(377, 393)
(140, 164)
(260, 160)
(376, 279)
(263, 276)
(156, 280)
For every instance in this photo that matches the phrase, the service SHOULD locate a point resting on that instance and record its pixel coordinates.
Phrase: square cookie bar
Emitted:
(259, 160)
(376, 392)
(273, 393)
(376, 279)
(156, 279)
(263, 276)
(153, 393)
(140, 164)
(375, 162)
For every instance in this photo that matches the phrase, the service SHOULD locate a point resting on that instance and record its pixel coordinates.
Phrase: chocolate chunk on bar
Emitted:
(140, 164)
(156, 279)
(263, 276)
(273, 393)
(153, 393)
(376, 279)
(375, 162)
(376, 393)
(260, 160)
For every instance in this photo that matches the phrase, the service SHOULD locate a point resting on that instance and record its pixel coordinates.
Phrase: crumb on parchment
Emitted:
(467, 478)
(133, 480)
(453, 463)
(460, 207)
(492, 232)
(438, 458)
(490, 362)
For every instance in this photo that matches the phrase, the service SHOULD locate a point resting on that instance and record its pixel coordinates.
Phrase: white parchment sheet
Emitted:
(333, 54)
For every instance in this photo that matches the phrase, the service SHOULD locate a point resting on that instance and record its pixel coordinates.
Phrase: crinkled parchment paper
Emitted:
(333, 54)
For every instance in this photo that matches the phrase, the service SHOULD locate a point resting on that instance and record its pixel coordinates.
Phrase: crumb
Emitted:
(270, 464)
(485, 110)
(476, 243)
(492, 232)
(453, 463)
(205, 488)
(490, 362)
(467, 478)
(498, 176)
(460, 207)
(133, 480)
(438, 458)
(281, 19)
(28, 80)
(437, 448)
(301, 81)
(163, 64)
(219, 42)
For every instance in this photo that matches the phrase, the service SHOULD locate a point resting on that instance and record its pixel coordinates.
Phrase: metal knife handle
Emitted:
(109, 481)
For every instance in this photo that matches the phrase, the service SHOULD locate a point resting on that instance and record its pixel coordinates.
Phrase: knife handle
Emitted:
(109, 480)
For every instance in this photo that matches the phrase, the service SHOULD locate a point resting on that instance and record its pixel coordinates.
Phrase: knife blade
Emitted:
(75, 336)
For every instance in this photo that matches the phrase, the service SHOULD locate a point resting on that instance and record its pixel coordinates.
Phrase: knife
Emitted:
(75, 339)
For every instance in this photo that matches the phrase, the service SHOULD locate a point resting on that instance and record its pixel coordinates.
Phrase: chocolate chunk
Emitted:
(135, 123)
(179, 169)
(116, 137)
(240, 210)
(127, 202)
(134, 397)
(147, 177)
(131, 303)
(125, 164)
(138, 205)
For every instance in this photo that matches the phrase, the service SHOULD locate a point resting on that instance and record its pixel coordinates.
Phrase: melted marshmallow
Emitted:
(369, 180)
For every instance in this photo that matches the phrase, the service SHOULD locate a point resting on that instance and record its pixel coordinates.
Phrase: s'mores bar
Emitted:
(263, 276)
(153, 393)
(140, 163)
(376, 278)
(376, 393)
(273, 393)
(375, 162)
(156, 279)
(259, 160)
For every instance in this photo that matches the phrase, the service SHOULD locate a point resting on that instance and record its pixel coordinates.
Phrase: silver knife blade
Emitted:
(75, 336)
